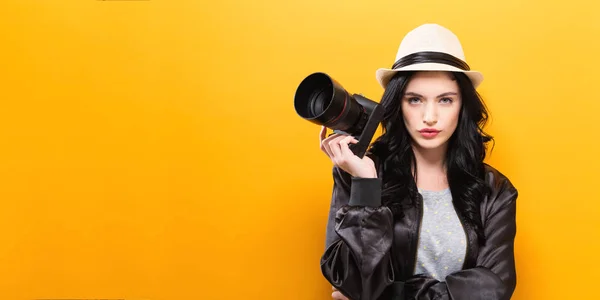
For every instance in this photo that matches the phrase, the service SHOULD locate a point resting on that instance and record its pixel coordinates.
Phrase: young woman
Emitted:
(421, 216)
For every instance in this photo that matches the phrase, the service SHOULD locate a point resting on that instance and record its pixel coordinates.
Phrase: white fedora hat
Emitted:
(429, 47)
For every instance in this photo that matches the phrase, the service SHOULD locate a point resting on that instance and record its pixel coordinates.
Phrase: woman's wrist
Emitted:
(366, 175)
(365, 191)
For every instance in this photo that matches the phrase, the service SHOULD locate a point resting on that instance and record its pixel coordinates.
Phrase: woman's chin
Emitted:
(430, 144)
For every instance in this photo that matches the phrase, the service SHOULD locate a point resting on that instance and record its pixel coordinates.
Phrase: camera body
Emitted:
(321, 100)
(371, 117)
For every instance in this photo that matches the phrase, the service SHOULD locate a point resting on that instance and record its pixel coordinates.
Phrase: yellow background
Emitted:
(150, 150)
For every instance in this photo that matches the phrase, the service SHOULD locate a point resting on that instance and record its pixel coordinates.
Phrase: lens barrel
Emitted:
(322, 100)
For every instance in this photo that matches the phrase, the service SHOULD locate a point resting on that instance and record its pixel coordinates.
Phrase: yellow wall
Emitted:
(150, 150)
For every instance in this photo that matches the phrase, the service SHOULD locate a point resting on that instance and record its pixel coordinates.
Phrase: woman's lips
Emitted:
(429, 133)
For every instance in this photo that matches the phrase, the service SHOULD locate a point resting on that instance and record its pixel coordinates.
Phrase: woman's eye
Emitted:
(414, 100)
(446, 100)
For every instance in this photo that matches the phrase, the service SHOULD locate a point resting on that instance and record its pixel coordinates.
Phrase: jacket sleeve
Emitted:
(357, 258)
(494, 277)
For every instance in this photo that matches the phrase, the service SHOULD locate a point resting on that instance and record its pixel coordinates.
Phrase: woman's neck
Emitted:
(431, 168)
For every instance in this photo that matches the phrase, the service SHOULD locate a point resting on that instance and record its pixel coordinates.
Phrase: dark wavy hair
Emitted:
(464, 158)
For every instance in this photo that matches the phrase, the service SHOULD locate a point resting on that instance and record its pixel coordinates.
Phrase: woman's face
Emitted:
(431, 105)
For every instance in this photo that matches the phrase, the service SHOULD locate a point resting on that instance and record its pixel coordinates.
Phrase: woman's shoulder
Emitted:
(497, 181)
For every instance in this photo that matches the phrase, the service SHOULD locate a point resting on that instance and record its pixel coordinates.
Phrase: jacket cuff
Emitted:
(398, 290)
(365, 192)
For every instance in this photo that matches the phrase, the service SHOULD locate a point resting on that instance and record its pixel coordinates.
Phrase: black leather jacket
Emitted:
(371, 256)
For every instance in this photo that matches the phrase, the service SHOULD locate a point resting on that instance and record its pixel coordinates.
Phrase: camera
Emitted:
(322, 100)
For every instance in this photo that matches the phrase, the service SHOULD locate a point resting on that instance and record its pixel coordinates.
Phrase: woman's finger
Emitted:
(344, 148)
(325, 140)
(338, 296)
(334, 146)
(325, 148)
(332, 136)
(322, 134)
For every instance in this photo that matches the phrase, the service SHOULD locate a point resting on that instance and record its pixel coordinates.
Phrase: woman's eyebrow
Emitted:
(439, 96)
(413, 94)
(448, 94)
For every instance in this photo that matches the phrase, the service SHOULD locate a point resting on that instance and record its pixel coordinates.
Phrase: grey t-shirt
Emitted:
(442, 240)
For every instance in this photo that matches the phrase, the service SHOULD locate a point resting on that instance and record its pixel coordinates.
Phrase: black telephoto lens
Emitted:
(323, 101)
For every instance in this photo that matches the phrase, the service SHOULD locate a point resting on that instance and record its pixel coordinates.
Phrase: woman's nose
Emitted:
(430, 116)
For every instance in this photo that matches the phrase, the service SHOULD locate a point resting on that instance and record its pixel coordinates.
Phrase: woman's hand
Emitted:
(336, 295)
(336, 147)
